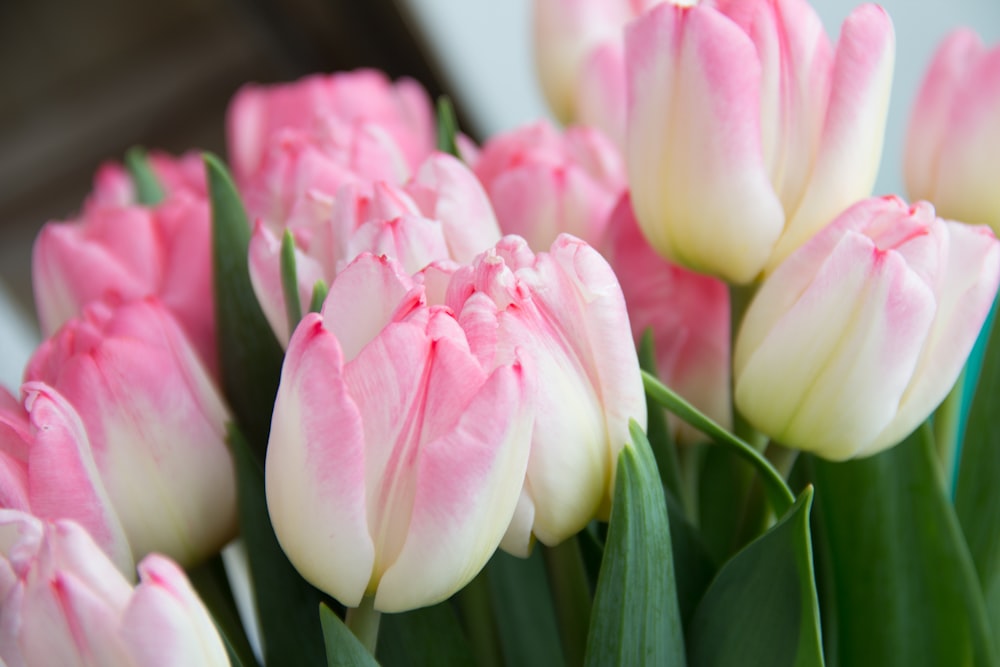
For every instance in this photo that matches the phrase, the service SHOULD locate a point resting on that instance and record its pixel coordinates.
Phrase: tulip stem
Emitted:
(363, 621)
(947, 421)
(571, 590)
(474, 602)
(740, 297)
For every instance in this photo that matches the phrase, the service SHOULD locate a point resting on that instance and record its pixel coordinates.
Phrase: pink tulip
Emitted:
(119, 248)
(566, 309)
(861, 333)
(65, 604)
(747, 130)
(361, 98)
(543, 182)
(441, 214)
(953, 143)
(396, 455)
(47, 468)
(688, 314)
(155, 424)
(579, 48)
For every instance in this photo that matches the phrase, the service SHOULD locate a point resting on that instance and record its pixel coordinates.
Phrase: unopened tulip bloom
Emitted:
(566, 308)
(401, 110)
(65, 604)
(396, 454)
(861, 333)
(747, 130)
(441, 214)
(117, 247)
(544, 182)
(687, 313)
(47, 468)
(953, 143)
(155, 422)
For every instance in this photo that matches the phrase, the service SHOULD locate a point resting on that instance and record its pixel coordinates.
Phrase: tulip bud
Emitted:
(861, 333)
(65, 604)
(361, 98)
(564, 307)
(543, 182)
(953, 142)
(155, 424)
(747, 131)
(687, 313)
(396, 456)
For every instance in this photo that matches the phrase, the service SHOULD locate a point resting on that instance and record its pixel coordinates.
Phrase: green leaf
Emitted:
(778, 493)
(636, 619)
(212, 584)
(447, 127)
(148, 190)
(428, 637)
(522, 606)
(761, 608)
(320, 291)
(290, 281)
(693, 566)
(903, 585)
(342, 648)
(249, 355)
(977, 494)
(286, 603)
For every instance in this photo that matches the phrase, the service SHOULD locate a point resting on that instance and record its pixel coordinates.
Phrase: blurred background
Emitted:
(80, 82)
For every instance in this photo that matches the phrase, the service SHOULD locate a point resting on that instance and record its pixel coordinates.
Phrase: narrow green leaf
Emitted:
(636, 619)
(148, 190)
(977, 494)
(342, 648)
(286, 603)
(212, 584)
(522, 604)
(318, 296)
(779, 495)
(761, 608)
(428, 637)
(903, 584)
(447, 126)
(290, 281)
(249, 355)
(657, 429)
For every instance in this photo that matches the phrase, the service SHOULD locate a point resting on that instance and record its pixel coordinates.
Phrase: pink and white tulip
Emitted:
(861, 333)
(119, 248)
(579, 49)
(364, 99)
(543, 182)
(687, 313)
(47, 468)
(64, 603)
(441, 214)
(155, 424)
(396, 455)
(747, 131)
(953, 143)
(566, 309)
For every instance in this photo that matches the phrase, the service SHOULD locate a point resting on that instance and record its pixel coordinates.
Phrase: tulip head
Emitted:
(155, 423)
(396, 457)
(953, 142)
(860, 333)
(747, 130)
(65, 604)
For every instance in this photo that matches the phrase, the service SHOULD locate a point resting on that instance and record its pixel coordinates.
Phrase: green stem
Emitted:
(947, 420)
(210, 581)
(477, 612)
(689, 461)
(782, 458)
(571, 591)
(779, 495)
(740, 297)
(363, 621)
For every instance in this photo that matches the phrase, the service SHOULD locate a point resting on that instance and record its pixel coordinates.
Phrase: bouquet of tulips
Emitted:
(663, 387)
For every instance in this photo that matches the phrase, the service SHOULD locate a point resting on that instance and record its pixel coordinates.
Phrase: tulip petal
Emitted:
(692, 75)
(316, 467)
(413, 241)
(850, 149)
(458, 519)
